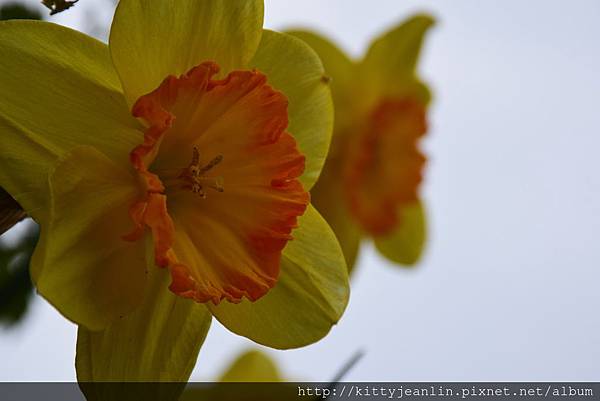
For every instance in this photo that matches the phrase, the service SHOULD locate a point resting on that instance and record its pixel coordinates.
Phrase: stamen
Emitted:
(194, 175)
(214, 183)
(211, 164)
(195, 156)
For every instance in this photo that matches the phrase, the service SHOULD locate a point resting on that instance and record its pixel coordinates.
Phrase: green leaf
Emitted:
(18, 11)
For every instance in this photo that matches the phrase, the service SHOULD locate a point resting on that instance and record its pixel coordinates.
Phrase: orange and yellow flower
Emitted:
(370, 183)
(190, 143)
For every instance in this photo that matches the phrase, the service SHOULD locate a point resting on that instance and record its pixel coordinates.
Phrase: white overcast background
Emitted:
(509, 286)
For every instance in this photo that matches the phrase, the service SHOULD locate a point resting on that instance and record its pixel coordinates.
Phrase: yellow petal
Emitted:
(405, 245)
(338, 67)
(309, 298)
(59, 90)
(150, 40)
(388, 68)
(294, 69)
(252, 366)
(81, 265)
(328, 198)
(157, 343)
(327, 195)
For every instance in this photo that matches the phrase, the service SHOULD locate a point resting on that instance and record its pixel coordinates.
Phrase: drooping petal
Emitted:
(406, 243)
(58, 90)
(157, 343)
(294, 68)
(150, 40)
(309, 298)
(388, 68)
(245, 199)
(81, 265)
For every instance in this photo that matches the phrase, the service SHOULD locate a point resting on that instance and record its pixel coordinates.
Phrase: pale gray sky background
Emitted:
(508, 289)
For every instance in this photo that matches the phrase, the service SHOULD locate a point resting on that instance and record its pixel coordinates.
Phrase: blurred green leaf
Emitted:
(16, 288)
(18, 11)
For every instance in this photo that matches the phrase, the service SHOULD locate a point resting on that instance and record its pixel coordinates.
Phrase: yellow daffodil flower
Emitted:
(370, 182)
(190, 143)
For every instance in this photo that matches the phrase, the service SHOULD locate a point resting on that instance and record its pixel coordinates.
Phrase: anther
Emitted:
(211, 164)
(194, 175)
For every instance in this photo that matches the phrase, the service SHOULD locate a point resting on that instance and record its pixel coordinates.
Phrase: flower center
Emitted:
(195, 176)
(384, 165)
(245, 119)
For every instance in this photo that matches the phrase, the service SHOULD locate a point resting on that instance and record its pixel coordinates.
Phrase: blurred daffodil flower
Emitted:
(369, 186)
(253, 373)
(257, 376)
(189, 143)
(252, 366)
